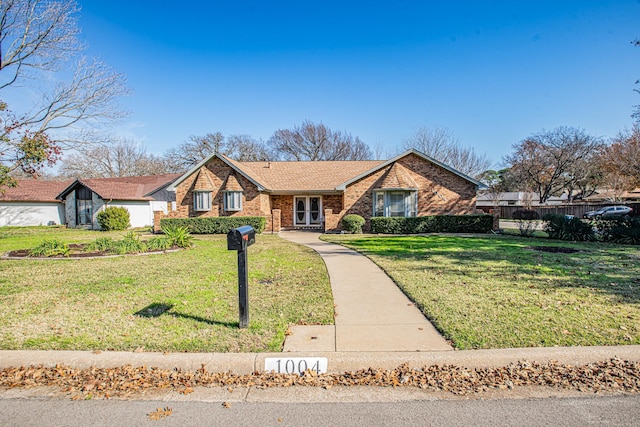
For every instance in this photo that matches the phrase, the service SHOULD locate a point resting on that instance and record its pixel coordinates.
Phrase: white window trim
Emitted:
(204, 205)
(409, 210)
(233, 194)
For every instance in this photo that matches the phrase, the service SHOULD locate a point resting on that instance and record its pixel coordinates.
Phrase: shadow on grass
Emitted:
(157, 309)
(589, 266)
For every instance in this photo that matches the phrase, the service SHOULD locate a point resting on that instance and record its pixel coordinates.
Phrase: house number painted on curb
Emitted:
(296, 365)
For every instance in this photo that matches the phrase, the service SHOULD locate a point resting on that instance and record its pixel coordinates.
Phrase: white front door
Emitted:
(307, 210)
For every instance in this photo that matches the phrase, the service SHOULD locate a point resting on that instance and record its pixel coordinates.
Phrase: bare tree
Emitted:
(620, 162)
(194, 150)
(238, 147)
(441, 144)
(636, 108)
(548, 162)
(246, 149)
(39, 47)
(112, 158)
(311, 141)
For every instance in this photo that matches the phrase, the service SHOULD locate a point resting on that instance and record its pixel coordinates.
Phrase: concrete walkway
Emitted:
(371, 313)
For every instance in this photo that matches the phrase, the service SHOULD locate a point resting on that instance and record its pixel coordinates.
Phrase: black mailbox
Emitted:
(240, 238)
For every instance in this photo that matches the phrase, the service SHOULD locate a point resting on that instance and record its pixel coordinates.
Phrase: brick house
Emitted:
(318, 194)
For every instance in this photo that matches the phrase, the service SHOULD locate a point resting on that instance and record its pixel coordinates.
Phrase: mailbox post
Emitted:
(239, 239)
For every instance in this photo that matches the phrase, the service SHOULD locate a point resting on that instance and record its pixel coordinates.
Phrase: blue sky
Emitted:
(493, 72)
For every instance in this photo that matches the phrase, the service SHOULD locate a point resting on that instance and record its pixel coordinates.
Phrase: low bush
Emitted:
(564, 228)
(353, 223)
(100, 244)
(159, 243)
(50, 247)
(178, 236)
(623, 230)
(527, 221)
(114, 218)
(130, 244)
(215, 225)
(433, 224)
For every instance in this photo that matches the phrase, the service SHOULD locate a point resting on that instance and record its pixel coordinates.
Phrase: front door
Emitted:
(307, 210)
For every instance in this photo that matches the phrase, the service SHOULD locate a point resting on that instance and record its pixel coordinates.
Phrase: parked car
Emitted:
(609, 212)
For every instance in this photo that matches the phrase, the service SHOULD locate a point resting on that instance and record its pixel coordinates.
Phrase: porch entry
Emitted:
(307, 211)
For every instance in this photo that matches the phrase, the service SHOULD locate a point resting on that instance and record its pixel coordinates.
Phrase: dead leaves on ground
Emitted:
(611, 375)
(160, 413)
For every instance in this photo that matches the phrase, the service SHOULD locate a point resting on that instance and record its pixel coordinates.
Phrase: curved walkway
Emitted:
(371, 313)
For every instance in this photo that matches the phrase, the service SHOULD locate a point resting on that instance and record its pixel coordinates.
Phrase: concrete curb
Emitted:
(339, 362)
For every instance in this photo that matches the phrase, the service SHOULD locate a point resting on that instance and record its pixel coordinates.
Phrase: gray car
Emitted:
(608, 212)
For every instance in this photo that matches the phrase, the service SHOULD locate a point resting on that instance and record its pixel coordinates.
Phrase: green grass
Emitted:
(182, 301)
(496, 292)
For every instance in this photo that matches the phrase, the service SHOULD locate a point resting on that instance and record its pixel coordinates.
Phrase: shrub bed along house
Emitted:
(433, 224)
(215, 225)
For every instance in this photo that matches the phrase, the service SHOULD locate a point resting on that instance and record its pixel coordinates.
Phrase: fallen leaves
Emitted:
(160, 413)
(610, 375)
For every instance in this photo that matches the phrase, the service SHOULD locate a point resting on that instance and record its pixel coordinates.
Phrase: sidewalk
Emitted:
(371, 313)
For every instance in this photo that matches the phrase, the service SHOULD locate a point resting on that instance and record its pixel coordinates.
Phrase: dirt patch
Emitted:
(555, 249)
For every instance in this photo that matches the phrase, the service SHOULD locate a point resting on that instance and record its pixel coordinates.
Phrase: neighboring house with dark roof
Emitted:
(318, 194)
(140, 195)
(32, 202)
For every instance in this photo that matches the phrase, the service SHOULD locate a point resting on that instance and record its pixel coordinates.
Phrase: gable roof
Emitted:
(236, 166)
(317, 176)
(123, 188)
(344, 185)
(32, 190)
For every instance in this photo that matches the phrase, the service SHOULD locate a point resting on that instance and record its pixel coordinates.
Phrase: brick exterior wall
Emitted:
(253, 202)
(440, 191)
(285, 205)
(276, 221)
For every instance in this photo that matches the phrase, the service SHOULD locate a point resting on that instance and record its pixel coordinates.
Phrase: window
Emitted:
(399, 203)
(202, 201)
(233, 200)
(84, 206)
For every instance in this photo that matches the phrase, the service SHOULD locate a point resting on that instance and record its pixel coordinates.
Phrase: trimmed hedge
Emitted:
(433, 224)
(215, 225)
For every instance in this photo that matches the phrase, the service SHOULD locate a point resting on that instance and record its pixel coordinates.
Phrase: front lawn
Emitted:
(182, 301)
(498, 292)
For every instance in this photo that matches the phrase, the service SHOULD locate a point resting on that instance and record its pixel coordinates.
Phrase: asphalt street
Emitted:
(581, 411)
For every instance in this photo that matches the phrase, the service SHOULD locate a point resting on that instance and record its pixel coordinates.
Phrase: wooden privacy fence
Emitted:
(575, 210)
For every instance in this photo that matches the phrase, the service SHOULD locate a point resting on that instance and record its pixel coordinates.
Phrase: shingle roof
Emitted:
(310, 176)
(30, 190)
(305, 176)
(396, 177)
(125, 188)
(203, 182)
(232, 183)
